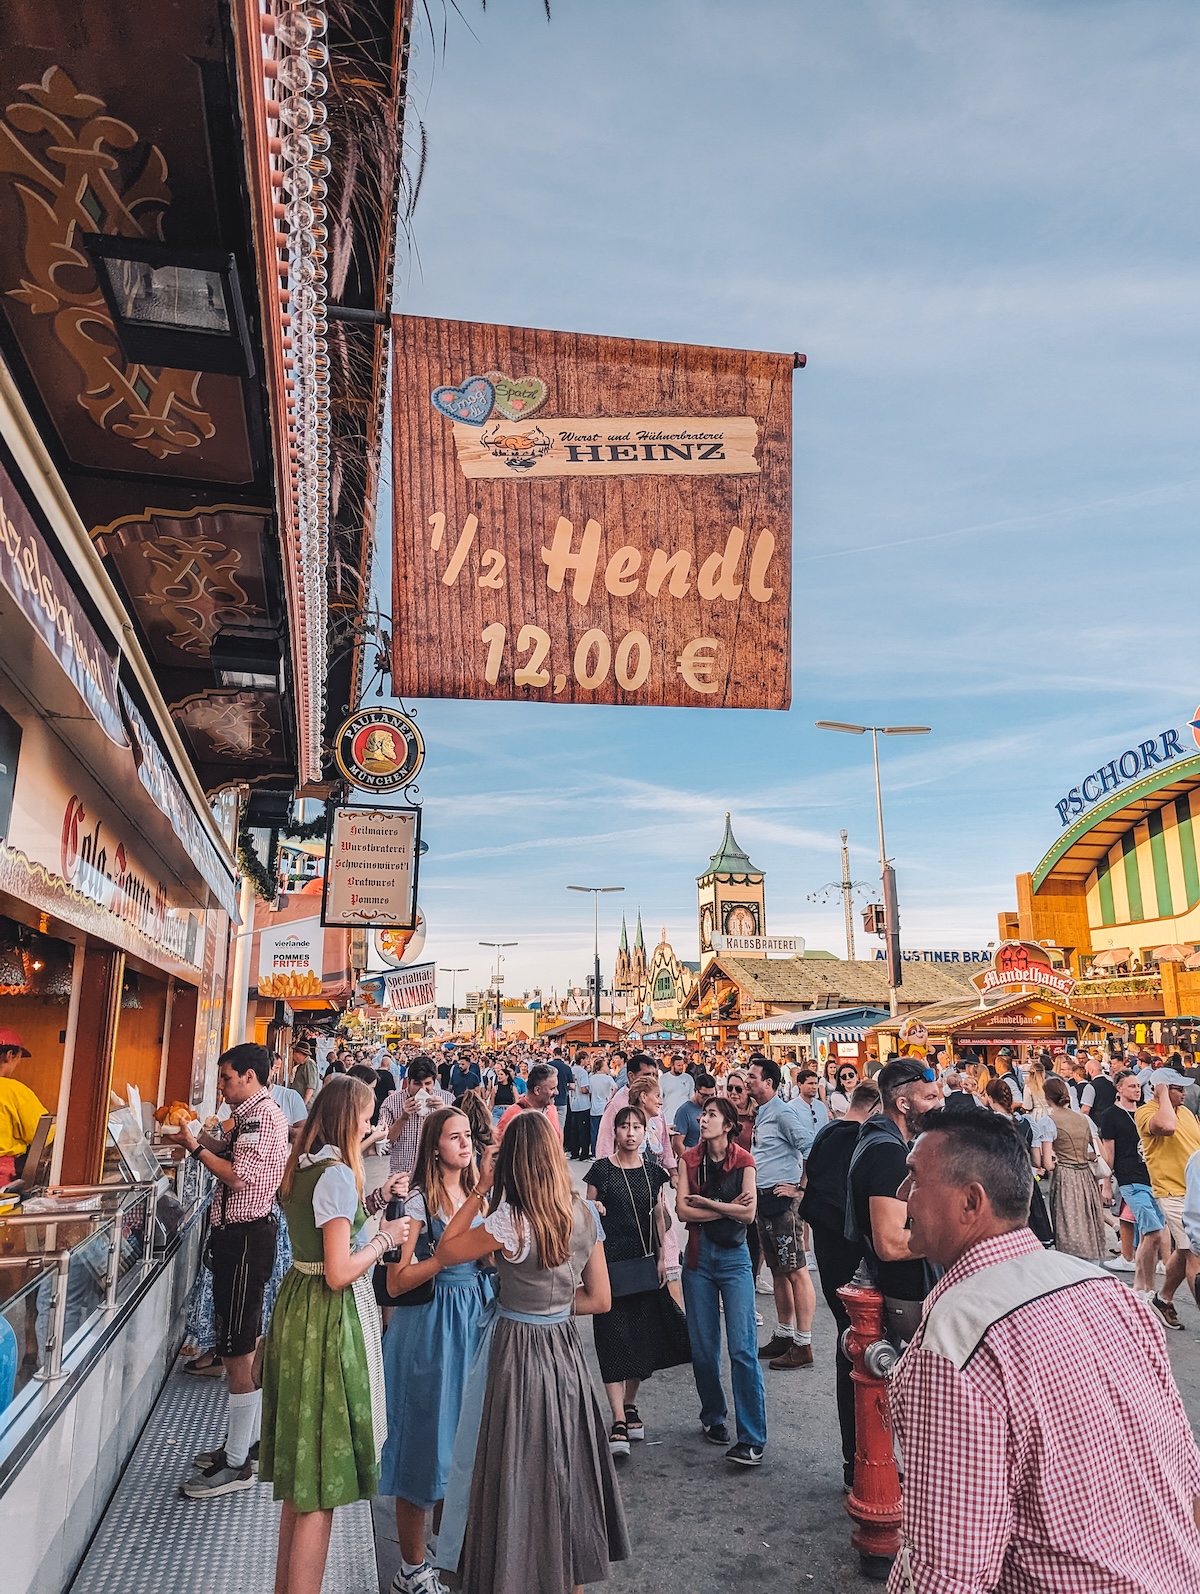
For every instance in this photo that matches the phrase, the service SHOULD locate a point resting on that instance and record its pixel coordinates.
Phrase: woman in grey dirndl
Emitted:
(532, 1506)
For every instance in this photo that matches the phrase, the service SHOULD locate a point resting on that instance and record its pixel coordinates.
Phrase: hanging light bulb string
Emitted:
(295, 65)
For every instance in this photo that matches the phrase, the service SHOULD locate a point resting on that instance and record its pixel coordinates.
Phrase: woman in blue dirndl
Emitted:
(429, 1346)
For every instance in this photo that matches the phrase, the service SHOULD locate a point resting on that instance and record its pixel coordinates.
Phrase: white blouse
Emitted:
(335, 1194)
(504, 1225)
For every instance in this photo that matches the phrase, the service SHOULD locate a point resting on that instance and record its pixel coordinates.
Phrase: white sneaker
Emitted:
(810, 1261)
(423, 1581)
(758, 1319)
(1118, 1264)
(761, 1288)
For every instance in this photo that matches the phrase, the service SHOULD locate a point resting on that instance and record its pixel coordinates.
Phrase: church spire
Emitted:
(624, 935)
(639, 941)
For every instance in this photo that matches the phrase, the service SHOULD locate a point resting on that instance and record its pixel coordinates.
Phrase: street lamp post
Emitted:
(596, 892)
(453, 973)
(887, 875)
(497, 946)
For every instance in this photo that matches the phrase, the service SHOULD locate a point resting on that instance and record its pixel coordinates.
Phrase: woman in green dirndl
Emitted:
(323, 1422)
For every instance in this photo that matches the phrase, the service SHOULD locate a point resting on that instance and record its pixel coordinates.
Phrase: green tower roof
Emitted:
(624, 935)
(729, 858)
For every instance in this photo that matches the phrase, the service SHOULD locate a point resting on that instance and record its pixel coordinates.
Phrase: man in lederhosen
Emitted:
(249, 1166)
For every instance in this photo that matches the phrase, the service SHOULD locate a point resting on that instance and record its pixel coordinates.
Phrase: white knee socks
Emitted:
(245, 1418)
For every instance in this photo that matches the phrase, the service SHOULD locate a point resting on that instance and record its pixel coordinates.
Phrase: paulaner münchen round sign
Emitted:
(379, 749)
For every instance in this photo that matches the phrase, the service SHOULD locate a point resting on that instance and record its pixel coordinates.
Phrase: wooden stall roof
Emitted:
(803, 982)
(944, 1018)
(579, 1029)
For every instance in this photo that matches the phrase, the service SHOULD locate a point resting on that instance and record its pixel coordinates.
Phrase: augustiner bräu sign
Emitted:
(590, 520)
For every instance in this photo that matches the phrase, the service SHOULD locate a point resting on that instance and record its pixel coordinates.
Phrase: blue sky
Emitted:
(978, 221)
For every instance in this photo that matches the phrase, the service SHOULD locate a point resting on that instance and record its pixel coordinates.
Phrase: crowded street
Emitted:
(599, 793)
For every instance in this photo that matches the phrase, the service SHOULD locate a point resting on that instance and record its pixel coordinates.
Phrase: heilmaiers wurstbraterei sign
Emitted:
(590, 520)
(371, 868)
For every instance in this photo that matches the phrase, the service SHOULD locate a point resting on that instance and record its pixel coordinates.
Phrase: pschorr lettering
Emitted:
(1132, 763)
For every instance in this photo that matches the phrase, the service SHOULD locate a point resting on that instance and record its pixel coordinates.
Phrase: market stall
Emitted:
(1025, 1022)
(818, 1034)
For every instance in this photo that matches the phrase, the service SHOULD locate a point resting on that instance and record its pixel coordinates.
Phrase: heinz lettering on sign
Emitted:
(590, 520)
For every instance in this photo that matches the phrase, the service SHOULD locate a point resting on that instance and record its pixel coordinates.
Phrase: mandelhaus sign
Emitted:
(590, 520)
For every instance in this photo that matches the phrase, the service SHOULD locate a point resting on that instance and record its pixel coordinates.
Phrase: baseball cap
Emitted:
(1160, 1076)
(10, 1038)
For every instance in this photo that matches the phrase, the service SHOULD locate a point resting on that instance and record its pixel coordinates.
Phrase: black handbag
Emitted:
(423, 1294)
(639, 1274)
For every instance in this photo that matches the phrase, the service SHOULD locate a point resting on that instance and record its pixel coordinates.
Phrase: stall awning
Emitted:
(847, 1032)
(773, 1025)
(835, 1023)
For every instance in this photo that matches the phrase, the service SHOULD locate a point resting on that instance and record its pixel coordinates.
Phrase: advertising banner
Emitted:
(397, 947)
(408, 992)
(371, 868)
(159, 780)
(590, 520)
(786, 945)
(69, 831)
(290, 959)
(30, 573)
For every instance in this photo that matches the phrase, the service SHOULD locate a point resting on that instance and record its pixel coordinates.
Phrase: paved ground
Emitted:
(698, 1525)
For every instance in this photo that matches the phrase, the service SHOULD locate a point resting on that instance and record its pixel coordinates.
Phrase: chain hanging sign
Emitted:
(590, 520)
(371, 868)
(379, 749)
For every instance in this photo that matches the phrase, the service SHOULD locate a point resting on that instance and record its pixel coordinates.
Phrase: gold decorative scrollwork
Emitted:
(235, 726)
(63, 152)
(194, 585)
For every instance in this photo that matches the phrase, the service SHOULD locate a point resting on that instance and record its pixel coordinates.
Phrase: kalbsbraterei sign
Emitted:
(590, 520)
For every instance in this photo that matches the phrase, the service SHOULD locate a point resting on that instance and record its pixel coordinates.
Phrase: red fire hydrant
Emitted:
(874, 1501)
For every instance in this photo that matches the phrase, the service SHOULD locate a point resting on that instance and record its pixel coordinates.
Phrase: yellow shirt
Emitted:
(19, 1113)
(1166, 1155)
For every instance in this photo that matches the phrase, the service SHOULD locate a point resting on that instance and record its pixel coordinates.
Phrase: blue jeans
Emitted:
(724, 1275)
(596, 1117)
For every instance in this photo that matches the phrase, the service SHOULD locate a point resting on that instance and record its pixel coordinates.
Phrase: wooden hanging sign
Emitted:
(590, 520)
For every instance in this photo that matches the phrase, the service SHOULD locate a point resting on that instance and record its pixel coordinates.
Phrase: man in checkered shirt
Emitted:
(405, 1110)
(241, 1252)
(1035, 1395)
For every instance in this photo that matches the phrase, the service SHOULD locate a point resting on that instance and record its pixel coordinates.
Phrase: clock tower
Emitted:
(730, 897)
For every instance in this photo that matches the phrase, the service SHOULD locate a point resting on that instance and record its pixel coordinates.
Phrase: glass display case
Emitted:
(67, 1258)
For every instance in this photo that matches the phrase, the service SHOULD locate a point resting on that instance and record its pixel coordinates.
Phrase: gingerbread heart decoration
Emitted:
(471, 402)
(517, 396)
